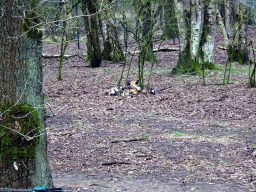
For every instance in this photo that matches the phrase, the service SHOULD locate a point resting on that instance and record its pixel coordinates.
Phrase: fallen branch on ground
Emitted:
(83, 55)
(129, 140)
(115, 163)
(65, 56)
(156, 50)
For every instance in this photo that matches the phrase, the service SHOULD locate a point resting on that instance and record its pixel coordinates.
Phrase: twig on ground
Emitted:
(115, 163)
(129, 140)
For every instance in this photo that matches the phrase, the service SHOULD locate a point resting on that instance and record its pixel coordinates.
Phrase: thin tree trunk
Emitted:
(222, 26)
(21, 82)
(242, 15)
(243, 34)
(236, 31)
(101, 28)
(64, 41)
(91, 27)
(147, 27)
(227, 16)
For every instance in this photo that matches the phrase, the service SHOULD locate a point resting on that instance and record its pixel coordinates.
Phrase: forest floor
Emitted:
(187, 137)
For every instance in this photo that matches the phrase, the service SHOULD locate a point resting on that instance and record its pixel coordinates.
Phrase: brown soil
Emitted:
(194, 137)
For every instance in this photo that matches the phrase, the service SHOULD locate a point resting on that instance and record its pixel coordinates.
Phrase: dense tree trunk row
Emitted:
(197, 32)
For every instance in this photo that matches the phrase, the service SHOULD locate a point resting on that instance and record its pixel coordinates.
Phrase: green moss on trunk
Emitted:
(19, 125)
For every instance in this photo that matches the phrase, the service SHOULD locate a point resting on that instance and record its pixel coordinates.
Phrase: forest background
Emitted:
(196, 133)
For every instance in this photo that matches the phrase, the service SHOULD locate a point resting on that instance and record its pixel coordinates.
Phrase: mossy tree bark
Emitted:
(147, 31)
(89, 8)
(21, 82)
(236, 25)
(170, 22)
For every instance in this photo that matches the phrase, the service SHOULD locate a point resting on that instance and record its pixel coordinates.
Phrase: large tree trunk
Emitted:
(89, 8)
(21, 82)
(208, 36)
(182, 25)
(197, 19)
(183, 19)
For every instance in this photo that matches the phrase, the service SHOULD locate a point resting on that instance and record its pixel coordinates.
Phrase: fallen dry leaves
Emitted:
(196, 134)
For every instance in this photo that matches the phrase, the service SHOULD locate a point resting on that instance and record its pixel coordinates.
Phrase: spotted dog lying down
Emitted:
(131, 88)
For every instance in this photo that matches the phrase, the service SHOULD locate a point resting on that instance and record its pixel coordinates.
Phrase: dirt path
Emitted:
(108, 183)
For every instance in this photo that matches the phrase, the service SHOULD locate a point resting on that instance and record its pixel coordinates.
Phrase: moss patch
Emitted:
(18, 124)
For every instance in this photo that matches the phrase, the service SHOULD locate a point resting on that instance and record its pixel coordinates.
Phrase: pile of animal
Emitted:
(131, 88)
